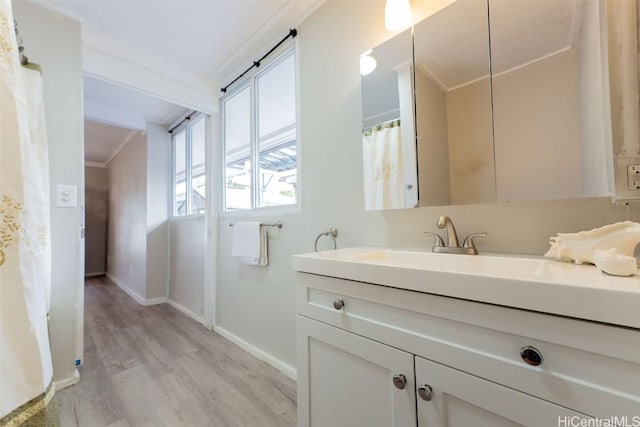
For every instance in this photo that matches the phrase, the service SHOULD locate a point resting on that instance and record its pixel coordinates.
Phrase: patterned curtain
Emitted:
(26, 386)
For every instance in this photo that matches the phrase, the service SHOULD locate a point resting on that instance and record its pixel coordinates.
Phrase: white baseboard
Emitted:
(184, 310)
(99, 273)
(154, 301)
(140, 300)
(127, 290)
(281, 366)
(68, 382)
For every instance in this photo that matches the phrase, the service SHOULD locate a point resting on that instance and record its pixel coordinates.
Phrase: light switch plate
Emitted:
(66, 196)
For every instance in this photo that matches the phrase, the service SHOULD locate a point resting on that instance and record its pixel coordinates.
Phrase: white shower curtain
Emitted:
(26, 385)
(383, 171)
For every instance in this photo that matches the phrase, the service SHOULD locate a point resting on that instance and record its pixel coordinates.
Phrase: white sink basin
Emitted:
(493, 265)
(533, 283)
(475, 264)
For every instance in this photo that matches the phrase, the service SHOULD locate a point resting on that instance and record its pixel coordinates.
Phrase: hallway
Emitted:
(153, 366)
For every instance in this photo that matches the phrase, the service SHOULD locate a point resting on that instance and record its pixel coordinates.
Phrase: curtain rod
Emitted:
(292, 33)
(387, 124)
(186, 119)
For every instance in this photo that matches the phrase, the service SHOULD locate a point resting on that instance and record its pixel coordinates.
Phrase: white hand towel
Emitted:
(250, 243)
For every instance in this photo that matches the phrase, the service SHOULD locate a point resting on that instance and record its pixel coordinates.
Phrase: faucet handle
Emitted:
(469, 243)
(439, 242)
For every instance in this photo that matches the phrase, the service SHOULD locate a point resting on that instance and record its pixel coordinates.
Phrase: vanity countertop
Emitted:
(526, 282)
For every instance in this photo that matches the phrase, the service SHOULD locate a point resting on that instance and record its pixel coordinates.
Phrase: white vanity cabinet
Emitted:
(461, 361)
(353, 381)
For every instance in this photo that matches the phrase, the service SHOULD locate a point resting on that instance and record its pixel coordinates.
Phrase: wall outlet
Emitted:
(633, 177)
(627, 179)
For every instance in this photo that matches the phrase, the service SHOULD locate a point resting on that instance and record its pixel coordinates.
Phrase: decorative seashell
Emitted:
(580, 247)
(611, 262)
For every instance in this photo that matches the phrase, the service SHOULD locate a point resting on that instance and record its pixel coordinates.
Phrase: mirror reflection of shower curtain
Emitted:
(383, 167)
(26, 373)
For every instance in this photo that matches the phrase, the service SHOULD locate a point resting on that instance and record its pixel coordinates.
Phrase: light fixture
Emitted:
(397, 14)
(367, 63)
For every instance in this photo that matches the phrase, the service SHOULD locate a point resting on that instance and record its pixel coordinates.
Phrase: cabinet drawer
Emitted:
(454, 398)
(589, 367)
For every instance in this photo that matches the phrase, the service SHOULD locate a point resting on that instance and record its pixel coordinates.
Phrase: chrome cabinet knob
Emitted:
(400, 381)
(425, 392)
(531, 355)
(338, 304)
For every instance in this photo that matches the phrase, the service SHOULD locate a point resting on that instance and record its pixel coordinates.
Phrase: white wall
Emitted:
(96, 189)
(127, 244)
(188, 264)
(257, 304)
(53, 41)
(187, 246)
(539, 158)
(159, 154)
(151, 256)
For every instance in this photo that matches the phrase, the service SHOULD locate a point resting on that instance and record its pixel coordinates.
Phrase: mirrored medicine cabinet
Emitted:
(486, 102)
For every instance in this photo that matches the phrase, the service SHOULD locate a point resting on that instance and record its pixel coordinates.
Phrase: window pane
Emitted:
(277, 97)
(278, 174)
(180, 158)
(198, 181)
(237, 133)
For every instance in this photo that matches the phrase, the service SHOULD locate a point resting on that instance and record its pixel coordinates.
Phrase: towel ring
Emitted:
(333, 232)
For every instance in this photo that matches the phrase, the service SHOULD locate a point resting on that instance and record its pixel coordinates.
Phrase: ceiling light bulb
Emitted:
(367, 63)
(397, 14)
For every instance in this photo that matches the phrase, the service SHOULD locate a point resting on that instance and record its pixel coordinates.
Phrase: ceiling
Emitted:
(117, 105)
(194, 45)
(103, 141)
(195, 40)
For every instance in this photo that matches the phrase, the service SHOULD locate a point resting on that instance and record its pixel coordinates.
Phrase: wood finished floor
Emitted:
(154, 366)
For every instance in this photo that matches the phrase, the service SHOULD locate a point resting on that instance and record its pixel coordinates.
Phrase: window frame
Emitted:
(195, 117)
(250, 81)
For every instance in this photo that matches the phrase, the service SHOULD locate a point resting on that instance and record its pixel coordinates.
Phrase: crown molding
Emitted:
(95, 164)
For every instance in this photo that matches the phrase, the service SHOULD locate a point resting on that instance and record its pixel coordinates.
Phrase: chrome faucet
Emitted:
(452, 246)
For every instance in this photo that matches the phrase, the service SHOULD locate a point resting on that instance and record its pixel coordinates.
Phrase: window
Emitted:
(189, 144)
(259, 128)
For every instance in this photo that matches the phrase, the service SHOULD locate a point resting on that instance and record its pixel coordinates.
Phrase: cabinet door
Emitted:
(345, 380)
(461, 400)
